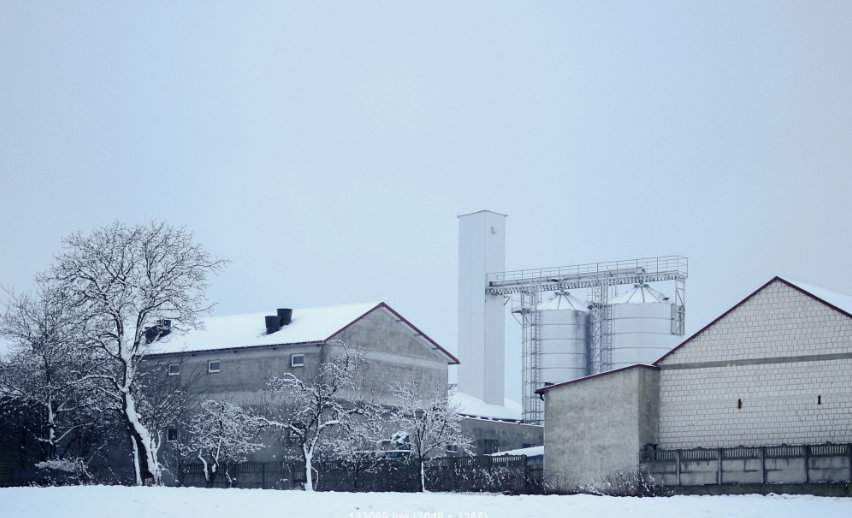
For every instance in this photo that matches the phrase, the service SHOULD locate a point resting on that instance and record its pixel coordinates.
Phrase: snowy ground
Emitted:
(121, 502)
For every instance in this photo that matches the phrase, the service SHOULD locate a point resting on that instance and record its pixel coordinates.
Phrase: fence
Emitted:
(510, 473)
(784, 464)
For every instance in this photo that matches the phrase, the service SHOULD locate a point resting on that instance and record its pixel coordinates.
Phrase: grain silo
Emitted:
(563, 321)
(641, 326)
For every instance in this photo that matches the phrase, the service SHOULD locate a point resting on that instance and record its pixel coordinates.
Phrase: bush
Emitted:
(61, 472)
(631, 483)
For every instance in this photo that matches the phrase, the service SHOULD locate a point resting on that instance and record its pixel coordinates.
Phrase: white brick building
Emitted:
(774, 369)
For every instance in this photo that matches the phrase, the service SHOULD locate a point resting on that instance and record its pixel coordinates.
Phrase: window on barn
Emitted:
(172, 435)
(214, 366)
(739, 404)
(297, 360)
(174, 369)
(819, 399)
(486, 446)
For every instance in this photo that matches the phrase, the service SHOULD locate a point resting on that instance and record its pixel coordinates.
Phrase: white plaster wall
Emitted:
(482, 341)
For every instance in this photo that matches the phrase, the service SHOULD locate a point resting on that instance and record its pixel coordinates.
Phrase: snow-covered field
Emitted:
(121, 502)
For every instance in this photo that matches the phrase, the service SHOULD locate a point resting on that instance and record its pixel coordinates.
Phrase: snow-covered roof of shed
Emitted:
(473, 406)
(307, 325)
(532, 451)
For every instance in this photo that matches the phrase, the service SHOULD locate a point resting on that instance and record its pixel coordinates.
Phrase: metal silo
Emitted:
(642, 326)
(563, 321)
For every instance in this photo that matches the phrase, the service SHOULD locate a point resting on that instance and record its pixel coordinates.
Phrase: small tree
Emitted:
(127, 281)
(359, 444)
(310, 410)
(44, 374)
(219, 434)
(427, 425)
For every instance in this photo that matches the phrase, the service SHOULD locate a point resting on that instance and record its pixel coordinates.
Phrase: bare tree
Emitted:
(427, 425)
(364, 442)
(127, 281)
(43, 376)
(219, 434)
(310, 410)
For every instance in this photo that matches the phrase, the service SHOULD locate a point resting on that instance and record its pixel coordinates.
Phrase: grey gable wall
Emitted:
(394, 355)
(595, 428)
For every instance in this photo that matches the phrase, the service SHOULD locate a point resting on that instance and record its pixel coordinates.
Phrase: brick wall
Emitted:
(777, 369)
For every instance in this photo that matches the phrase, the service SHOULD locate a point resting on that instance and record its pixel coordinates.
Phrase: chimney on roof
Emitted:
(158, 330)
(273, 323)
(285, 315)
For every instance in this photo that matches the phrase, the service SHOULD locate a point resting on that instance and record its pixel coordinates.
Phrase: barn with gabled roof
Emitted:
(776, 368)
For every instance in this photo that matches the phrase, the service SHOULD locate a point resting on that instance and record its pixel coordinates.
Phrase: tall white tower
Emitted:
(482, 323)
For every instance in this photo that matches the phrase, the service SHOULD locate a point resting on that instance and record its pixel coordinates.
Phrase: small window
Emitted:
(174, 369)
(171, 435)
(819, 399)
(297, 360)
(739, 404)
(452, 448)
(214, 366)
(487, 446)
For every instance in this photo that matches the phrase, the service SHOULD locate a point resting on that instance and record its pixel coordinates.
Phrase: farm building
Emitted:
(233, 357)
(773, 370)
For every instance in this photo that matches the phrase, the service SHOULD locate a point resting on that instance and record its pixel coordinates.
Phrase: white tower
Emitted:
(482, 324)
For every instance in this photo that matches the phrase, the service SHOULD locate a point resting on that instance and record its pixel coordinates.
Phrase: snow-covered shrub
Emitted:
(627, 483)
(62, 472)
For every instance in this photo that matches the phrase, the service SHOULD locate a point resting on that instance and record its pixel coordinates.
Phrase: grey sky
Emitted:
(325, 148)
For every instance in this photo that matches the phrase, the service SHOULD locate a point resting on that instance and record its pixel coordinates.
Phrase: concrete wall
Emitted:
(784, 355)
(394, 354)
(491, 436)
(821, 464)
(596, 427)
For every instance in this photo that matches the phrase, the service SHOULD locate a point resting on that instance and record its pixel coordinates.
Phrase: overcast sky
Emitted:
(326, 148)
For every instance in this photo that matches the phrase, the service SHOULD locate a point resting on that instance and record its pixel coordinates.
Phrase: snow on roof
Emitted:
(532, 451)
(246, 330)
(473, 406)
(838, 300)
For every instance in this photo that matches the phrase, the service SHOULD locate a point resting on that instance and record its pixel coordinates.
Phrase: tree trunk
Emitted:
(146, 463)
(423, 476)
(309, 474)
